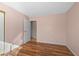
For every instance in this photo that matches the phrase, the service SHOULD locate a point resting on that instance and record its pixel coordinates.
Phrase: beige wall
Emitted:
(51, 28)
(13, 24)
(73, 29)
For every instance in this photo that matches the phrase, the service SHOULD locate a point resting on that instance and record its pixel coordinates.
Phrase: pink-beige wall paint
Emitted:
(13, 24)
(73, 29)
(51, 28)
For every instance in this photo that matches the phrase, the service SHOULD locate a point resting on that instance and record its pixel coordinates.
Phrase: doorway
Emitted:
(33, 30)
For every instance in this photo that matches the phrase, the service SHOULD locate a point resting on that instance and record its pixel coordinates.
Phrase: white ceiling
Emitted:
(40, 8)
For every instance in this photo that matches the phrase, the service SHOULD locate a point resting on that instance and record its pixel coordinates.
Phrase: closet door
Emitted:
(26, 30)
(2, 34)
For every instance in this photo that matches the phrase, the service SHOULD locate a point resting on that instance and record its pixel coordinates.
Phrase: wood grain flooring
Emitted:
(32, 48)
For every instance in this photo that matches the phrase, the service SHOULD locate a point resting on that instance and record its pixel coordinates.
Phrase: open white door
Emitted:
(26, 30)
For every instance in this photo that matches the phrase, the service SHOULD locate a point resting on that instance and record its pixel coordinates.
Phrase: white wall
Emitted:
(51, 28)
(73, 29)
(13, 24)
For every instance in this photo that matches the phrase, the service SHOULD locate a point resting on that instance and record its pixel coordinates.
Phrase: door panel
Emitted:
(26, 30)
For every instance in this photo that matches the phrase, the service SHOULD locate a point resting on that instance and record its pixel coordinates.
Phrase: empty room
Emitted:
(39, 28)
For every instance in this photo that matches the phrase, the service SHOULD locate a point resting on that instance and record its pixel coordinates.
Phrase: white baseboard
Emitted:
(72, 50)
(52, 43)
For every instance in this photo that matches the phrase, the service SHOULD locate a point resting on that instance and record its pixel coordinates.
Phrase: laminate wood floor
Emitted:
(32, 48)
